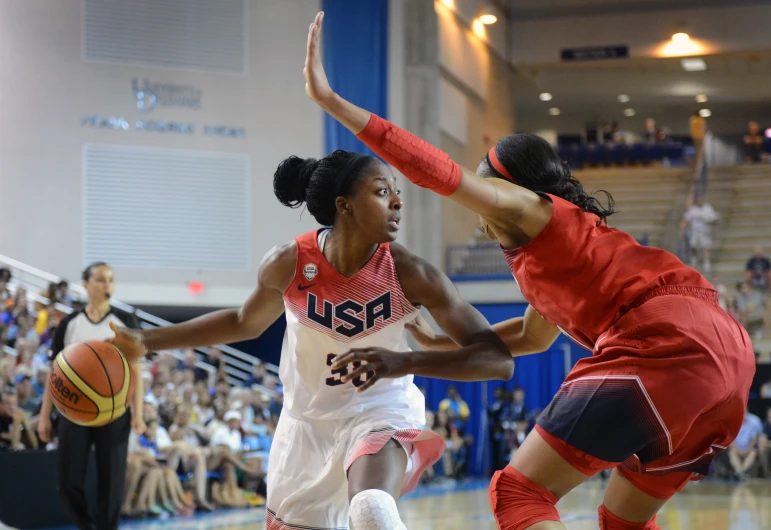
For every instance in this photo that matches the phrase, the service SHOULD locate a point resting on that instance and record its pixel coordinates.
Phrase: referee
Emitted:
(110, 441)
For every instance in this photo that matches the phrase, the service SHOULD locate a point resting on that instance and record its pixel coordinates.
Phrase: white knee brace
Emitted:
(375, 510)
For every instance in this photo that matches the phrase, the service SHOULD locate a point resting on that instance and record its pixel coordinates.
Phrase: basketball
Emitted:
(91, 383)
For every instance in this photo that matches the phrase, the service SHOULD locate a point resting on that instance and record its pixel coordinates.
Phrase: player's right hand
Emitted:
(129, 342)
(316, 83)
(44, 429)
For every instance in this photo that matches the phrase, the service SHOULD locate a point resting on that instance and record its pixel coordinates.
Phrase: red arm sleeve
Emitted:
(416, 159)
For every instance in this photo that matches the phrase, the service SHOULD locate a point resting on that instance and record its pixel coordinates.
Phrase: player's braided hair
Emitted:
(318, 183)
(536, 166)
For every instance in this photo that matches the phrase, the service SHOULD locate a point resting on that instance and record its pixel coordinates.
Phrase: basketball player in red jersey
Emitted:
(342, 288)
(667, 383)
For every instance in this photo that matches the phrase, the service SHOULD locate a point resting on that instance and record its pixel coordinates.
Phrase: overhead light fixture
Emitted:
(545, 96)
(554, 111)
(768, 133)
(681, 37)
(623, 98)
(479, 29)
(487, 15)
(693, 65)
(629, 112)
(702, 98)
(450, 4)
(705, 113)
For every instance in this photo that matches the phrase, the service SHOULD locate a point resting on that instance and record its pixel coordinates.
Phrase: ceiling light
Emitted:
(705, 113)
(623, 98)
(554, 111)
(693, 65)
(450, 4)
(702, 98)
(487, 15)
(681, 37)
(479, 29)
(768, 133)
(629, 112)
(545, 96)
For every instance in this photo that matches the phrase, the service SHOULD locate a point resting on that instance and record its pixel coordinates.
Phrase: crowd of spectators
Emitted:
(205, 442)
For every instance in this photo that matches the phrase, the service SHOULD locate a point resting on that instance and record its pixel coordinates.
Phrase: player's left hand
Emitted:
(378, 361)
(316, 83)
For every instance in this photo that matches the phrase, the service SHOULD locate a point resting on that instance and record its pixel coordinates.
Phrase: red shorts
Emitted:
(663, 394)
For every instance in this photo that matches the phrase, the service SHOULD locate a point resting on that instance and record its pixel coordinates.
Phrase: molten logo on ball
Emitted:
(58, 384)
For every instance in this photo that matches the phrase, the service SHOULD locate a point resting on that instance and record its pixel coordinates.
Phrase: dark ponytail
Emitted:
(318, 183)
(534, 164)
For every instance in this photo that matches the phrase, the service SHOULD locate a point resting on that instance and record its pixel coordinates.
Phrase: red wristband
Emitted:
(416, 159)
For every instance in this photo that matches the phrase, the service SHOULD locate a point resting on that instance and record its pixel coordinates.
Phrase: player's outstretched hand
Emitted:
(378, 362)
(316, 83)
(129, 342)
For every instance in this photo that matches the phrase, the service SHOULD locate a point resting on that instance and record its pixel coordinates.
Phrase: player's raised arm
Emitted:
(260, 310)
(523, 335)
(482, 355)
(501, 202)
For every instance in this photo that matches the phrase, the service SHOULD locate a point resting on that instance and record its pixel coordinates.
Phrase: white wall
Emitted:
(47, 88)
(715, 30)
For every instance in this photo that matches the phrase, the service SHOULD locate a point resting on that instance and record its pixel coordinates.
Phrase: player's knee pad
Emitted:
(375, 510)
(518, 502)
(610, 521)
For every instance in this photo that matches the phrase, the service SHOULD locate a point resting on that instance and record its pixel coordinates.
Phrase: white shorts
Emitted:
(700, 241)
(309, 460)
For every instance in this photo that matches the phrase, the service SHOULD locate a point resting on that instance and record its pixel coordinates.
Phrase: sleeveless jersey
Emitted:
(328, 314)
(582, 277)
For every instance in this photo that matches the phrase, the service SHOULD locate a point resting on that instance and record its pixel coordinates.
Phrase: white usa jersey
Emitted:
(328, 314)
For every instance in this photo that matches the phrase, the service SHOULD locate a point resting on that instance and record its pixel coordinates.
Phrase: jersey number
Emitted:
(342, 372)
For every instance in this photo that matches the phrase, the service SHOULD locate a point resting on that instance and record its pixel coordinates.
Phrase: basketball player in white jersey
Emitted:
(343, 288)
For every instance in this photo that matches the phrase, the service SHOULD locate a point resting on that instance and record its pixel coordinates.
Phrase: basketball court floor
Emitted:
(464, 506)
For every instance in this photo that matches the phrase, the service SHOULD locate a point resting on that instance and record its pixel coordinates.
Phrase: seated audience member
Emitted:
(188, 363)
(169, 488)
(751, 306)
(765, 390)
(15, 433)
(758, 270)
(257, 377)
(26, 401)
(228, 437)
(744, 451)
(753, 143)
(765, 445)
(456, 408)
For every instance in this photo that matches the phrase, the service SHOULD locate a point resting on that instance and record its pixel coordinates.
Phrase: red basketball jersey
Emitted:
(582, 276)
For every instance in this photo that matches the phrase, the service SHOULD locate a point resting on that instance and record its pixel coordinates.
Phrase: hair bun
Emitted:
(291, 179)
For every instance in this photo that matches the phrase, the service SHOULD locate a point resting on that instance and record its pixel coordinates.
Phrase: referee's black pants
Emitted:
(111, 444)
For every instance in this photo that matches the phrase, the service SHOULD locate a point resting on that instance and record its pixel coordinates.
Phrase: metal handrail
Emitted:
(239, 364)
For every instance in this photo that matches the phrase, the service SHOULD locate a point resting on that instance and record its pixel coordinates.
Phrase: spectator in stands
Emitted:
(751, 306)
(617, 135)
(169, 488)
(699, 218)
(229, 437)
(5, 294)
(24, 395)
(758, 270)
(257, 377)
(15, 433)
(40, 382)
(754, 143)
(765, 445)
(651, 134)
(606, 132)
(765, 390)
(456, 408)
(744, 451)
(698, 126)
(188, 363)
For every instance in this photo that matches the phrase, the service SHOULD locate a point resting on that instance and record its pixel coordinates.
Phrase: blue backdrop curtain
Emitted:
(539, 375)
(355, 50)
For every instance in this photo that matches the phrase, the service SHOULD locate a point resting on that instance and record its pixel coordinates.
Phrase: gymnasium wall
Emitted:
(476, 99)
(61, 86)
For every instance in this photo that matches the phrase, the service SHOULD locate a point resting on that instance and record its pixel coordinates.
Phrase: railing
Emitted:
(483, 261)
(238, 365)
